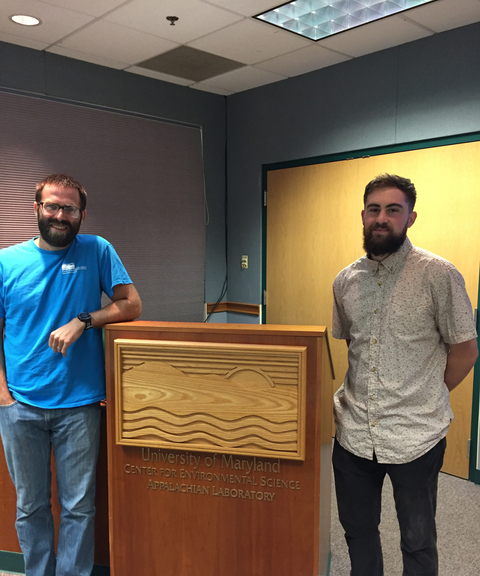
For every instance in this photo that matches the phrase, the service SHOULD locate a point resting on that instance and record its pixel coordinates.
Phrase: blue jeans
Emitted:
(358, 484)
(28, 433)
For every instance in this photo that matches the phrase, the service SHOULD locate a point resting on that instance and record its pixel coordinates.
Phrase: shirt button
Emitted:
(374, 341)
(372, 397)
(373, 424)
(373, 368)
(379, 283)
(391, 269)
(375, 311)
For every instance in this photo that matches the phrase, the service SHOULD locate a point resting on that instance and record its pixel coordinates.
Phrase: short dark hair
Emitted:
(393, 181)
(63, 181)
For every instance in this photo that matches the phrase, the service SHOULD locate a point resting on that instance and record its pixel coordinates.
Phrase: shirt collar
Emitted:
(392, 261)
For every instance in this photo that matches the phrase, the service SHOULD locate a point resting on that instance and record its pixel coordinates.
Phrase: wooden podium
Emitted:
(219, 443)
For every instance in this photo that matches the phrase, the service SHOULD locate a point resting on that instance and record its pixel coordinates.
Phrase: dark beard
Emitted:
(384, 245)
(58, 239)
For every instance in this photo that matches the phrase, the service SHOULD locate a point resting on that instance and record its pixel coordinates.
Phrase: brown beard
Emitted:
(58, 239)
(387, 244)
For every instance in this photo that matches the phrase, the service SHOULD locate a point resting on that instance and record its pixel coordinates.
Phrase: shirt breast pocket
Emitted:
(412, 319)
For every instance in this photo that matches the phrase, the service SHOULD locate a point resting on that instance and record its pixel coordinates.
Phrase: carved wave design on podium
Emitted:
(215, 432)
(244, 409)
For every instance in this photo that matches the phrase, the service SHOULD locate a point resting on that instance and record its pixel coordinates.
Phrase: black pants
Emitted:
(358, 484)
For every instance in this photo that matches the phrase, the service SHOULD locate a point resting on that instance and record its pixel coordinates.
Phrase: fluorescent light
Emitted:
(25, 20)
(317, 19)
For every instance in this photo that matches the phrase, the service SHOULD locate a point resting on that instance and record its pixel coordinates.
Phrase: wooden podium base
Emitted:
(180, 509)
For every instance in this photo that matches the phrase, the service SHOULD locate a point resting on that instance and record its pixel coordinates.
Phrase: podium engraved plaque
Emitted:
(224, 398)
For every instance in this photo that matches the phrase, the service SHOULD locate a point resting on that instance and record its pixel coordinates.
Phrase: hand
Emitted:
(62, 338)
(6, 398)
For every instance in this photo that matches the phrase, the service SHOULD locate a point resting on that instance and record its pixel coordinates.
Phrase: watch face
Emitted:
(85, 317)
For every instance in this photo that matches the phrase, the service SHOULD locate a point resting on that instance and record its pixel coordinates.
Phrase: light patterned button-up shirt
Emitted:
(400, 315)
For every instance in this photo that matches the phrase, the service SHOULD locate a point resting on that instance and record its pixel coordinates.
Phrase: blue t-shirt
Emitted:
(41, 290)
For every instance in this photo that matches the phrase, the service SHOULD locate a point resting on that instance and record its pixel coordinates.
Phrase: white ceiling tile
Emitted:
(56, 22)
(375, 36)
(92, 58)
(243, 79)
(302, 61)
(250, 41)
(159, 75)
(247, 7)
(92, 7)
(446, 14)
(212, 89)
(195, 18)
(115, 42)
(23, 41)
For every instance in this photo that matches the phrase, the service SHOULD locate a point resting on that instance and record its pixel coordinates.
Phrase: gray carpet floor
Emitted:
(458, 522)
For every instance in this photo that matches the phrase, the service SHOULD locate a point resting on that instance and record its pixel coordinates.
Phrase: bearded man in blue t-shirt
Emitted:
(52, 373)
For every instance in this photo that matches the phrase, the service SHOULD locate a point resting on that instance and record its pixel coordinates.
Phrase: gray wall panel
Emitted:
(317, 113)
(83, 82)
(22, 68)
(345, 107)
(424, 89)
(439, 85)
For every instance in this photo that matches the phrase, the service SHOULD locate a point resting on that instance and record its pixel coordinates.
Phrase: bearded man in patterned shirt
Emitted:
(409, 327)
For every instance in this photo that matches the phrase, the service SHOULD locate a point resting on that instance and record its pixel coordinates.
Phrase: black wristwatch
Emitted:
(85, 317)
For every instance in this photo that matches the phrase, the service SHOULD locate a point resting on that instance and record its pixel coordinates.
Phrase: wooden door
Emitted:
(314, 230)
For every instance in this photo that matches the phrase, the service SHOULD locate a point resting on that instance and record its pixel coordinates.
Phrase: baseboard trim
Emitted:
(329, 563)
(12, 562)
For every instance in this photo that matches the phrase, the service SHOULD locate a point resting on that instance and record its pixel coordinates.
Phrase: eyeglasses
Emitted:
(52, 209)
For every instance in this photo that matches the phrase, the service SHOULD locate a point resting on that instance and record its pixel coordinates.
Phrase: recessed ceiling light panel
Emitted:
(317, 19)
(25, 20)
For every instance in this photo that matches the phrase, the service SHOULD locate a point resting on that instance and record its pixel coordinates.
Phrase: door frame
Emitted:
(474, 457)
(474, 470)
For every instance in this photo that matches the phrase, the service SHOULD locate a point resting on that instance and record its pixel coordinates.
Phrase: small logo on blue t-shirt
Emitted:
(71, 268)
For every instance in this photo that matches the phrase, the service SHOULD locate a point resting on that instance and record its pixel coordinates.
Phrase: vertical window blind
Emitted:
(145, 186)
